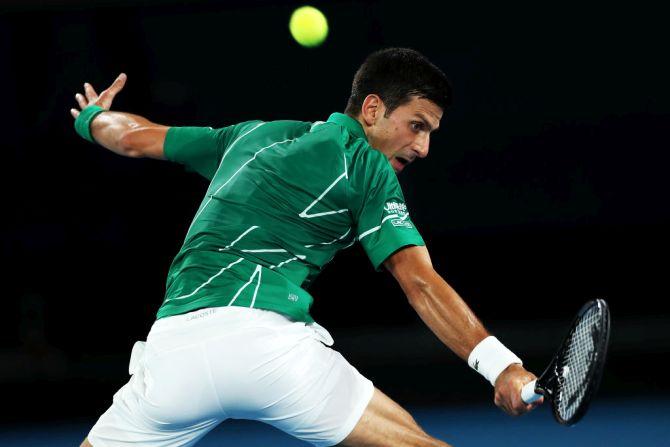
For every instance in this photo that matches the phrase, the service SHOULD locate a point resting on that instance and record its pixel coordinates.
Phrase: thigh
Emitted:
(292, 381)
(385, 423)
(167, 402)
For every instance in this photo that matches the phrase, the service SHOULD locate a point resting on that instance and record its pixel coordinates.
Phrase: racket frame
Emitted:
(547, 385)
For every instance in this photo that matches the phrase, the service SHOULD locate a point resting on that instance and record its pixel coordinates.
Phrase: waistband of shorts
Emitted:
(213, 315)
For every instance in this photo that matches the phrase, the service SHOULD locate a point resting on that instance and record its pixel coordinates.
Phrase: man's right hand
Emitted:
(103, 100)
(508, 390)
(120, 132)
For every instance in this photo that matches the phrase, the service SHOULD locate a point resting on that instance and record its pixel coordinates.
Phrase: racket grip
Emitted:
(528, 394)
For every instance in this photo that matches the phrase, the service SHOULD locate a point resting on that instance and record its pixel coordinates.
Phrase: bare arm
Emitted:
(123, 133)
(452, 321)
(438, 305)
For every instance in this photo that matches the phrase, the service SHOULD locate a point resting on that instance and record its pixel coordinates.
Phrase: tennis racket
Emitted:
(573, 376)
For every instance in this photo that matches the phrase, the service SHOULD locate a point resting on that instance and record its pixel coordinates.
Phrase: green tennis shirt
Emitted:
(284, 197)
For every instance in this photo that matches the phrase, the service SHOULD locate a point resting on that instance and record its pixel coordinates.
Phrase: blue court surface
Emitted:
(610, 423)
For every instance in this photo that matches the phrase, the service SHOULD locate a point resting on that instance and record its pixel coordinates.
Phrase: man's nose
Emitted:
(421, 146)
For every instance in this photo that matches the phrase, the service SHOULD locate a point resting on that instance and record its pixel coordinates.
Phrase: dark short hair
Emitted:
(396, 75)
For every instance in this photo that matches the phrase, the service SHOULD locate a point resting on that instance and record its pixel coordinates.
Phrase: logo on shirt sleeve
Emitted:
(397, 212)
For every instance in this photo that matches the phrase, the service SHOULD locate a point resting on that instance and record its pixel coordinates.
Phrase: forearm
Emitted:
(115, 131)
(446, 314)
(123, 133)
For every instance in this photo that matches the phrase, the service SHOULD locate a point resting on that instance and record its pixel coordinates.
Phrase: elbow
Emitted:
(418, 289)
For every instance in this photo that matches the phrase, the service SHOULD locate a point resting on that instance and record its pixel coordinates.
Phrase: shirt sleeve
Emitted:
(381, 216)
(200, 149)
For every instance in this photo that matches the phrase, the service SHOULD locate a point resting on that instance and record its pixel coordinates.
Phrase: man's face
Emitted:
(404, 135)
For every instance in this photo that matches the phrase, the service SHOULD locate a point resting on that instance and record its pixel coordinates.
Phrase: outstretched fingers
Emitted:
(108, 95)
(80, 100)
(117, 85)
(91, 95)
(105, 98)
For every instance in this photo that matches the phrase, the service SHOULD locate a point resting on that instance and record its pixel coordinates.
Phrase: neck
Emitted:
(365, 127)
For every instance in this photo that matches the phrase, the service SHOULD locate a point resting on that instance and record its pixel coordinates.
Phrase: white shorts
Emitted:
(201, 368)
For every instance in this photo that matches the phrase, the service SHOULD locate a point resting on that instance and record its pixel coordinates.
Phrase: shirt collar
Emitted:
(349, 123)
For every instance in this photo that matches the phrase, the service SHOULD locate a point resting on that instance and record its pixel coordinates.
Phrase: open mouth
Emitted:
(403, 161)
(399, 163)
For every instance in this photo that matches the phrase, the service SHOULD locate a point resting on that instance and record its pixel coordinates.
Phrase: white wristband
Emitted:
(490, 358)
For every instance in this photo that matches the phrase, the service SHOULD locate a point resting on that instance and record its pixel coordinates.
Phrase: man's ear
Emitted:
(372, 109)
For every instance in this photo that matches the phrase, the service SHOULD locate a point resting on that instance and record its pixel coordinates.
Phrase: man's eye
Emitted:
(417, 126)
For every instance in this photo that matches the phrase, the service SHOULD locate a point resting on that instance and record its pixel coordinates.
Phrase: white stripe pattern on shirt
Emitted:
(265, 250)
(211, 196)
(295, 258)
(260, 274)
(209, 280)
(257, 271)
(331, 242)
(239, 237)
(378, 227)
(304, 213)
(232, 145)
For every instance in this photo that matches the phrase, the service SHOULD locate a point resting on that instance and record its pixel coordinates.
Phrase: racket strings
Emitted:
(574, 369)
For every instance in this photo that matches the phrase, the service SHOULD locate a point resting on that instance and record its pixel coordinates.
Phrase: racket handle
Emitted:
(528, 394)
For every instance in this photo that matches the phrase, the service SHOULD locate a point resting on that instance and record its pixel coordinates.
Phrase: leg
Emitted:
(156, 407)
(385, 423)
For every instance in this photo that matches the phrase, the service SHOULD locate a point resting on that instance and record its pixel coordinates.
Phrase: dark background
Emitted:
(546, 186)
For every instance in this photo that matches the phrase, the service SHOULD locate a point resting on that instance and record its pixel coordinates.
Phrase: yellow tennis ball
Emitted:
(308, 26)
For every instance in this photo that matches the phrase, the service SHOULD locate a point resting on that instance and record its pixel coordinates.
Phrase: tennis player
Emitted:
(234, 337)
